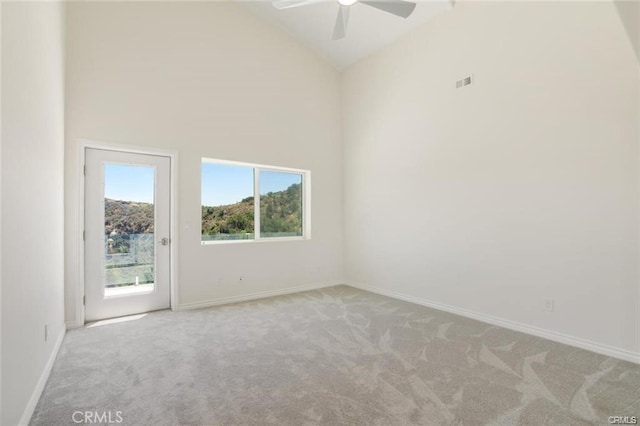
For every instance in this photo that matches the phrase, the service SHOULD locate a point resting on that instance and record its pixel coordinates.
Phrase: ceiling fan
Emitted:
(396, 7)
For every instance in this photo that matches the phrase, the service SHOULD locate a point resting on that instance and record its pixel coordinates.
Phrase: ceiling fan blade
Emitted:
(288, 4)
(340, 30)
(396, 7)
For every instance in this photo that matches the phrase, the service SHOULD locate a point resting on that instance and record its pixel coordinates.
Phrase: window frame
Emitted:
(257, 168)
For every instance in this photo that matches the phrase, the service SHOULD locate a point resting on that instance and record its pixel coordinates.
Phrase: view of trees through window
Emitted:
(280, 204)
(228, 202)
(129, 220)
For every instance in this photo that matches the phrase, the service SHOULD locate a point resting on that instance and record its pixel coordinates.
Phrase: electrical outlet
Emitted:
(548, 305)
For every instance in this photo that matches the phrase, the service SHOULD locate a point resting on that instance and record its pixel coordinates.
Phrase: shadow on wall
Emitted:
(629, 12)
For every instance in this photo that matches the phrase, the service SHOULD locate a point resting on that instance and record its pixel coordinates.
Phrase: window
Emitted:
(252, 202)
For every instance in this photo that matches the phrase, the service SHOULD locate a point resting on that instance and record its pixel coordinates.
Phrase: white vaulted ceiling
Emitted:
(369, 29)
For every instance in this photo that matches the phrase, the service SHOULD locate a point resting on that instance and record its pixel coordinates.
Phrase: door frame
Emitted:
(83, 144)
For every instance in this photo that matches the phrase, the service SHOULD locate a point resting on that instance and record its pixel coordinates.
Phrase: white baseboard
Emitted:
(259, 295)
(73, 324)
(37, 392)
(512, 325)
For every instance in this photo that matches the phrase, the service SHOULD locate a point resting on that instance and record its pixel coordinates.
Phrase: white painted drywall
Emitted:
(207, 80)
(32, 199)
(521, 187)
(629, 11)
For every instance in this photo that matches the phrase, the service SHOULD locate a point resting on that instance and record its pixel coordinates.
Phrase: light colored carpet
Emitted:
(338, 356)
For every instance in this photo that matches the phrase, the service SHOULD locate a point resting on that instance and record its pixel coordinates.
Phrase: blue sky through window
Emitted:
(277, 181)
(224, 184)
(129, 183)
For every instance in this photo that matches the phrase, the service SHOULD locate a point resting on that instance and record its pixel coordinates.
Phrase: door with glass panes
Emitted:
(127, 240)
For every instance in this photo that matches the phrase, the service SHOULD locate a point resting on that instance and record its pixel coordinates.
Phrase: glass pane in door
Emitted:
(129, 219)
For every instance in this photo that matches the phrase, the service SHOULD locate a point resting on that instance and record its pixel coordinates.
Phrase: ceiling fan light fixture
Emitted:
(401, 8)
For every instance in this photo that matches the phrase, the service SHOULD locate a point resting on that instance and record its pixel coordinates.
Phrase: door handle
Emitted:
(164, 241)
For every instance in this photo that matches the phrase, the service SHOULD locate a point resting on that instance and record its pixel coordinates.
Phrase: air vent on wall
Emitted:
(464, 82)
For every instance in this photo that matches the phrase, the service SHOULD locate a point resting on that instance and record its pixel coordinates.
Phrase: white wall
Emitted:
(521, 187)
(32, 200)
(629, 11)
(207, 80)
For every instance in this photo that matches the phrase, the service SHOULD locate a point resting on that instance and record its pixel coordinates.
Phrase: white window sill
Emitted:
(259, 240)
